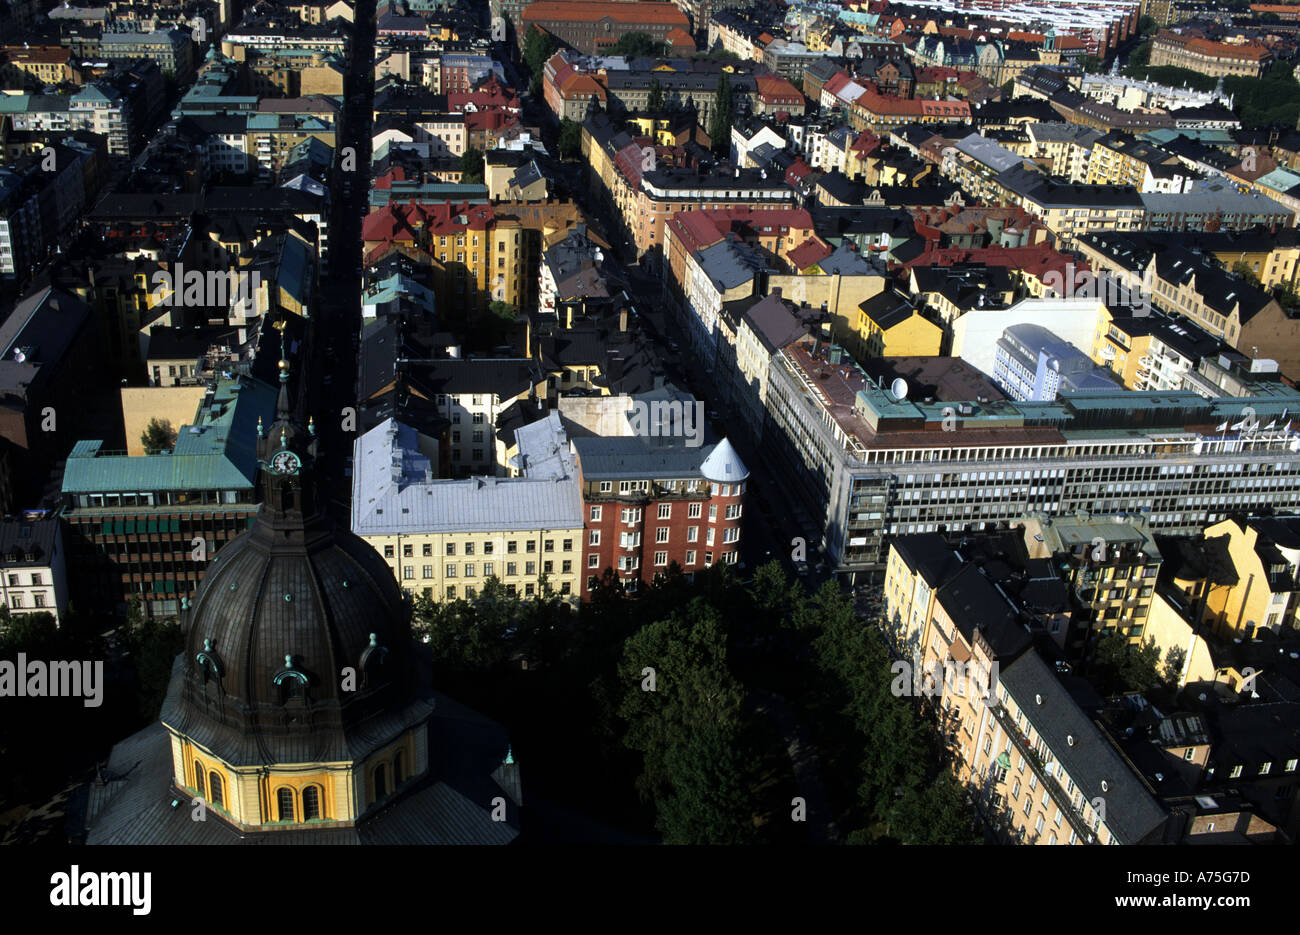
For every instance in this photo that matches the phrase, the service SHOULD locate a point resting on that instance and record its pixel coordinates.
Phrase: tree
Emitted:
(158, 436)
(153, 645)
(570, 139)
(1117, 667)
(1286, 294)
(688, 728)
(720, 117)
(936, 814)
(539, 46)
(1242, 268)
(1147, 25)
(472, 163)
(638, 45)
(655, 101)
(1091, 64)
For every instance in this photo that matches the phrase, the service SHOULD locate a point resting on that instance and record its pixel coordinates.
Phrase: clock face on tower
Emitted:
(285, 462)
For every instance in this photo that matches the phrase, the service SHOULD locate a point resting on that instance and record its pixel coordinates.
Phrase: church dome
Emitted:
(298, 644)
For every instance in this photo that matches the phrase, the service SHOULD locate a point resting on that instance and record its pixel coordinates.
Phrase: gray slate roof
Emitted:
(1132, 814)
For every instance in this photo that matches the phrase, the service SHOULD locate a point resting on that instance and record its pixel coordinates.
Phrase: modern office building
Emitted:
(145, 528)
(870, 465)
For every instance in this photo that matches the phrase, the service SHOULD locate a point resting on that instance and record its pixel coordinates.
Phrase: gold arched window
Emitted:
(198, 779)
(311, 799)
(284, 804)
(214, 783)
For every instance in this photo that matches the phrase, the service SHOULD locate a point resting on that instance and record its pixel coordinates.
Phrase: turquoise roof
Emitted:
(216, 452)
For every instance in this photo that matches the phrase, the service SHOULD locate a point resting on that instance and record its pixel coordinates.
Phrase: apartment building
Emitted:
(172, 49)
(651, 501)
(1040, 771)
(1217, 59)
(445, 538)
(1263, 553)
(33, 566)
(1067, 209)
(1226, 306)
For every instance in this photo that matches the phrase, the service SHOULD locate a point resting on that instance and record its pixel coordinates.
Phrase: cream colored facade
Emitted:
(447, 566)
(175, 404)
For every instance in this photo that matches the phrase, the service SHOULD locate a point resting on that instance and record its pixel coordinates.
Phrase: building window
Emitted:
(693, 534)
(198, 778)
(451, 591)
(427, 550)
(408, 572)
(693, 511)
(661, 534)
(451, 548)
(595, 514)
(593, 560)
(389, 552)
(381, 782)
(408, 551)
(451, 571)
(690, 557)
(469, 569)
(594, 537)
(512, 569)
(548, 545)
(426, 571)
(665, 510)
(469, 548)
(284, 803)
(310, 803)
(512, 547)
(214, 783)
(661, 558)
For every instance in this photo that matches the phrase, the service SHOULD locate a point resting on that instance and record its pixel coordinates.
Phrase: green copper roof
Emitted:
(216, 452)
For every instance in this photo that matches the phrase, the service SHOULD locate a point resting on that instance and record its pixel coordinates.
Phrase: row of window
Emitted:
(39, 599)
(530, 590)
(489, 569)
(512, 548)
(15, 580)
(632, 515)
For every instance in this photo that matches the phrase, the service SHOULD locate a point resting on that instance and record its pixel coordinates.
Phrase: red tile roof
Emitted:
(809, 253)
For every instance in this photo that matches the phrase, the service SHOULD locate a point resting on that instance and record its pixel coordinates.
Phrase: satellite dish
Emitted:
(899, 388)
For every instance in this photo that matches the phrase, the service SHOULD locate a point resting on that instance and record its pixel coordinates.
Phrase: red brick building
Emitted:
(650, 501)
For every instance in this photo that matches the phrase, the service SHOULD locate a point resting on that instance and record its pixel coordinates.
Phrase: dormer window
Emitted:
(210, 665)
(291, 681)
(372, 661)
